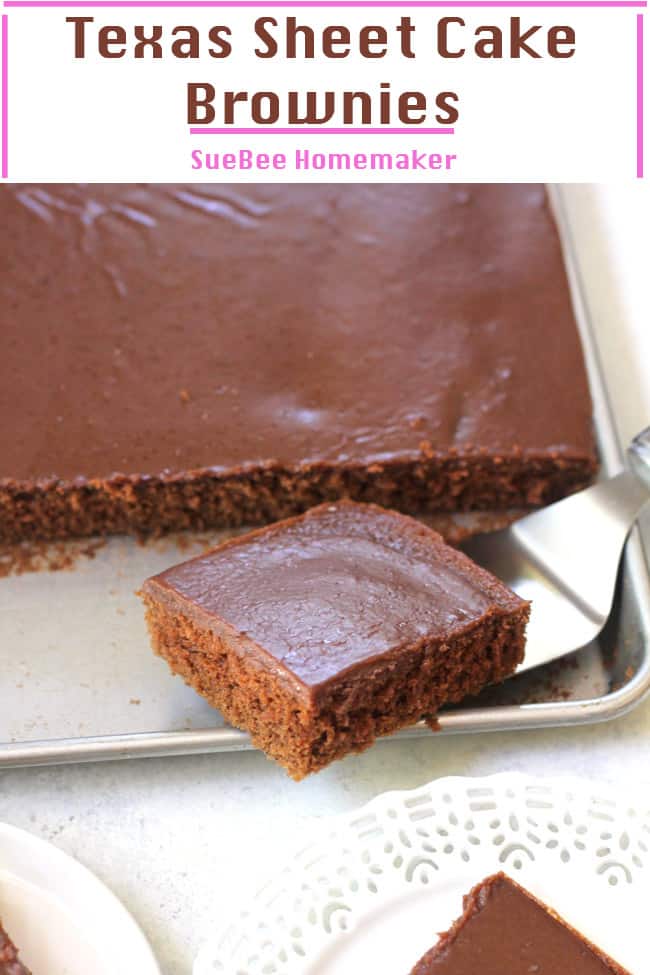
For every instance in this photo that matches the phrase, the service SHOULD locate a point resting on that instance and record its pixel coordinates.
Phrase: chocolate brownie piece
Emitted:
(319, 633)
(10, 963)
(504, 929)
(208, 356)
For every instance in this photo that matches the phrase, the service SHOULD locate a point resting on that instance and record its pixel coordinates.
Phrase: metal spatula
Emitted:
(565, 558)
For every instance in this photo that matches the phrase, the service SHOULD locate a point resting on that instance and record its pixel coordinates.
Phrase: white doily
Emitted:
(373, 891)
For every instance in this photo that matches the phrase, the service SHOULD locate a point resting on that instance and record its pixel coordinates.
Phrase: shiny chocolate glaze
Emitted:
(337, 587)
(164, 329)
(506, 931)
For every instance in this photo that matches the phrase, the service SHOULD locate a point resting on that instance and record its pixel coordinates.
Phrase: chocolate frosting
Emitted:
(341, 585)
(505, 931)
(163, 328)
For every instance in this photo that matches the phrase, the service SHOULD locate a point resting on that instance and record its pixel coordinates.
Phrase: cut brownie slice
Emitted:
(319, 633)
(10, 964)
(504, 930)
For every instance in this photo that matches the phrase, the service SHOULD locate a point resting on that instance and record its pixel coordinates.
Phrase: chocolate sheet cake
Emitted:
(504, 930)
(10, 963)
(208, 356)
(319, 633)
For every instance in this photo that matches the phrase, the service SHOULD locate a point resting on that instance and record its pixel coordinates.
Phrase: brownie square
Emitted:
(10, 963)
(211, 356)
(504, 930)
(319, 633)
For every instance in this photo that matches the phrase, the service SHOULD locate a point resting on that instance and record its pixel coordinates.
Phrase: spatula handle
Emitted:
(639, 456)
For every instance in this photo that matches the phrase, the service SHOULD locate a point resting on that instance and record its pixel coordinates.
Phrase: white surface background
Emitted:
(124, 119)
(180, 840)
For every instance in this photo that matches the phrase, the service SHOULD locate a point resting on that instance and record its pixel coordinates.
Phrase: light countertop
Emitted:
(180, 840)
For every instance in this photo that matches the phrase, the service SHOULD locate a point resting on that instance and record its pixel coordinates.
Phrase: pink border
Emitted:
(4, 45)
(639, 96)
(5, 97)
(326, 3)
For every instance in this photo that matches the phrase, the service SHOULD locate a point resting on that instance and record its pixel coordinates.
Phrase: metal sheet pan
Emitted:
(79, 683)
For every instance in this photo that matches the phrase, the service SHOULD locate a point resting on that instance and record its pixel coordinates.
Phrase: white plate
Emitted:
(62, 919)
(371, 893)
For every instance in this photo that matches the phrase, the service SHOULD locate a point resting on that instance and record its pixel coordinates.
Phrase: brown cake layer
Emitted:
(319, 633)
(10, 963)
(201, 356)
(504, 930)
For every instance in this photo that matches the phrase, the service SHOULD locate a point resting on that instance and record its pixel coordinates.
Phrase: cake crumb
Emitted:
(43, 556)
